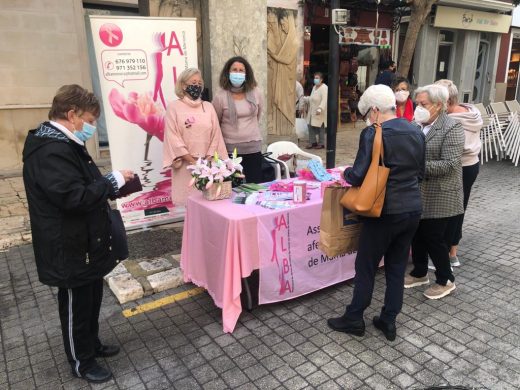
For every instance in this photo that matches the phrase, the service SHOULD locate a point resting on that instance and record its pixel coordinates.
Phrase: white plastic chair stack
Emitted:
(512, 133)
(490, 135)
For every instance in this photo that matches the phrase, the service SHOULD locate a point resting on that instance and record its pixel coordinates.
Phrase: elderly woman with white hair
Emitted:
(471, 120)
(441, 190)
(192, 131)
(390, 234)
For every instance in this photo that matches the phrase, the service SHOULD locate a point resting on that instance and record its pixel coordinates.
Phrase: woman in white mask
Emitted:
(404, 104)
(441, 190)
(317, 114)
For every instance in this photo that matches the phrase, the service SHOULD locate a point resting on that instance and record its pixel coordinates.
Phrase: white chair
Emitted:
(490, 135)
(511, 131)
(292, 151)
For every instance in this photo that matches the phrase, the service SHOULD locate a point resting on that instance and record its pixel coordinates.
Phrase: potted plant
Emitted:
(214, 176)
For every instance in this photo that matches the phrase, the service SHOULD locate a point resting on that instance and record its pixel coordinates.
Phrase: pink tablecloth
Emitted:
(220, 247)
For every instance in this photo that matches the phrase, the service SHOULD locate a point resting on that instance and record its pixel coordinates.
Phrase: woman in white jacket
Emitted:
(471, 120)
(317, 113)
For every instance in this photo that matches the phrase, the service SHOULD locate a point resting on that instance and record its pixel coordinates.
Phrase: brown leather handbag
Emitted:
(367, 200)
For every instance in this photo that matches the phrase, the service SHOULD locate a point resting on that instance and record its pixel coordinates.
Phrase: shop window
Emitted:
(513, 69)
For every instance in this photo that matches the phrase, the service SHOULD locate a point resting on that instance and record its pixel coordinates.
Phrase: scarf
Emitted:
(193, 103)
(250, 97)
(408, 111)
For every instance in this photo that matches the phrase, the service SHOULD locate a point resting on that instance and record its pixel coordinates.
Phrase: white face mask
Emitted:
(421, 115)
(401, 96)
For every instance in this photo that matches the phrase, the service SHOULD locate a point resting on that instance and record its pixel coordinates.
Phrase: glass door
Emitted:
(481, 73)
(446, 39)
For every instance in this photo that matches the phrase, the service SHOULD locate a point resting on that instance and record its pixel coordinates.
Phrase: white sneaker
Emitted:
(454, 261)
(432, 267)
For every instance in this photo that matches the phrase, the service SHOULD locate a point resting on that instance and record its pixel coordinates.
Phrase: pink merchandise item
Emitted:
(281, 186)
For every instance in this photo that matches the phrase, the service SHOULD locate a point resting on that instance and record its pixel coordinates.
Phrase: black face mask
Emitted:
(194, 91)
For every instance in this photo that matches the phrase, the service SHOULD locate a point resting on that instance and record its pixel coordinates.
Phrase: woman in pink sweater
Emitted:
(192, 131)
(239, 105)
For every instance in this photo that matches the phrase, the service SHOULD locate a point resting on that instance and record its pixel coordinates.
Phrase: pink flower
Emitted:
(140, 110)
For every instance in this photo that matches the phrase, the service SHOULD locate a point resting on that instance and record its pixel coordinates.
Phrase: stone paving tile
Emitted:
(469, 338)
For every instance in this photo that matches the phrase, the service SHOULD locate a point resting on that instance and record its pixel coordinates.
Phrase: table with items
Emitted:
(274, 228)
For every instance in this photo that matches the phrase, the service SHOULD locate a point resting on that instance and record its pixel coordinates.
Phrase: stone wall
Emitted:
(43, 46)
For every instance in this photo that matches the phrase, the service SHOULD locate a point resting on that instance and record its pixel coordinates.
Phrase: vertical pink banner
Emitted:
(291, 264)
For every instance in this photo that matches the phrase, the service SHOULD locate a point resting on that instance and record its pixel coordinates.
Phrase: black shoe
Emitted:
(107, 351)
(95, 374)
(311, 146)
(343, 324)
(388, 329)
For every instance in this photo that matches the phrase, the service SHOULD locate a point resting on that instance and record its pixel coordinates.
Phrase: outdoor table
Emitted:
(224, 242)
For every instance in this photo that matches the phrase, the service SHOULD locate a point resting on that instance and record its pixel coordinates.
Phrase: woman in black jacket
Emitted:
(70, 223)
(389, 235)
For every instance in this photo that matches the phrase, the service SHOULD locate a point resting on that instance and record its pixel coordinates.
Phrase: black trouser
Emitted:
(79, 313)
(454, 229)
(388, 236)
(430, 239)
(252, 164)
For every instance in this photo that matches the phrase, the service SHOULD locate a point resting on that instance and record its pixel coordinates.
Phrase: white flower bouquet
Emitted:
(214, 177)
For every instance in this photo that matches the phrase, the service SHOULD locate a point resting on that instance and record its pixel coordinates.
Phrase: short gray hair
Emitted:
(182, 80)
(436, 94)
(380, 96)
(452, 90)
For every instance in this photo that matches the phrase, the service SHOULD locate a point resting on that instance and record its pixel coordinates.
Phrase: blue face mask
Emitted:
(317, 81)
(86, 132)
(237, 79)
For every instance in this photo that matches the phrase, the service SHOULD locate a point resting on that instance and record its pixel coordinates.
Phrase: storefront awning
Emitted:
(468, 19)
(485, 5)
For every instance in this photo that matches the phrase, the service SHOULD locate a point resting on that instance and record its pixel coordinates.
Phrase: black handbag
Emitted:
(118, 233)
(268, 170)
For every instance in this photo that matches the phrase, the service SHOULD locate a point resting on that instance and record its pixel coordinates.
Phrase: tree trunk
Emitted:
(420, 10)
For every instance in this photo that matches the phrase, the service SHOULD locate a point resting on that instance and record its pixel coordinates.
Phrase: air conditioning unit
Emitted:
(340, 16)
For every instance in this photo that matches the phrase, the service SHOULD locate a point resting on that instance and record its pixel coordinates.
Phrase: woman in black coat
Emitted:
(70, 222)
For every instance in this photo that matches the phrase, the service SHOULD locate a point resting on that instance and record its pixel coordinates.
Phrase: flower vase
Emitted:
(218, 191)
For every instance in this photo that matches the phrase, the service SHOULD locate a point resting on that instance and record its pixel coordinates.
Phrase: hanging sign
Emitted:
(366, 36)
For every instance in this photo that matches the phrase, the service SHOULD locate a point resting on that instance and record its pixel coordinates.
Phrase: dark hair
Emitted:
(250, 82)
(385, 64)
(398, 80)
(319, 74)
(73, 97)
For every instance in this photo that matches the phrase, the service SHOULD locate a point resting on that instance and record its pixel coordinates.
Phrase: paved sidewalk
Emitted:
(470, 338)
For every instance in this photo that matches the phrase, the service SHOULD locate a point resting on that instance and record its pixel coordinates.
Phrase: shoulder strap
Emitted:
(377, 149)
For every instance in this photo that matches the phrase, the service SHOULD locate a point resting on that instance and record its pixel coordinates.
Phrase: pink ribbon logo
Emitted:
(110, 34)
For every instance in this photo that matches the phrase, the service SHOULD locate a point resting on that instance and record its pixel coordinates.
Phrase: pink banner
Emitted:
(290, 262)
